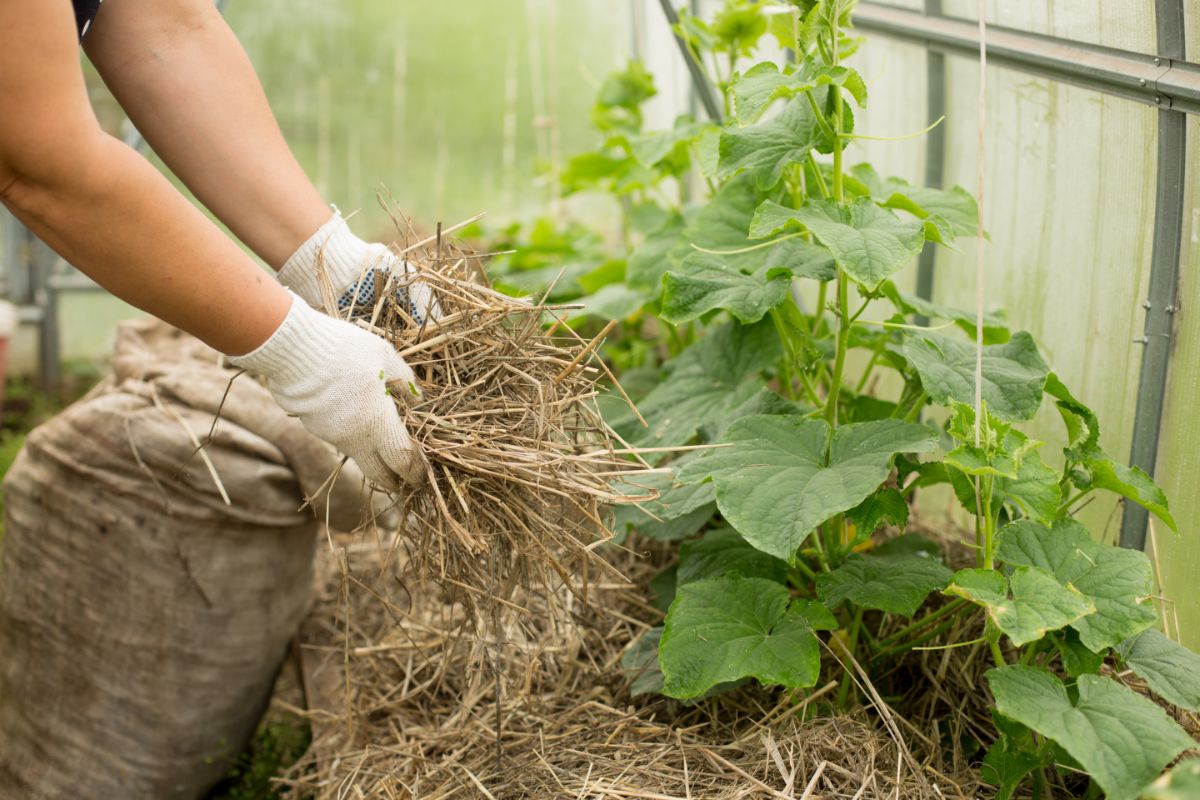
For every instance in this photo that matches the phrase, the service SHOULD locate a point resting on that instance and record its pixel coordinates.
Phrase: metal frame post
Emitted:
(935, 152)
(1161, 301)
(700, 84)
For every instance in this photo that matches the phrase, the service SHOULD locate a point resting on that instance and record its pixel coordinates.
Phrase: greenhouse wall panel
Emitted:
(1178, 557)
(1112, 23)
(1069, 206)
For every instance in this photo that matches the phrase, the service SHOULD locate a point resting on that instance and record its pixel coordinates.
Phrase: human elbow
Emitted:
(34, 172)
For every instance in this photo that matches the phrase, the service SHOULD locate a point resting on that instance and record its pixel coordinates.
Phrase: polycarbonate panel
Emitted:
(896, 107)
(1124, 24)
(1191, 19)
(1070, 192)
(451, 105)
(1177, 558)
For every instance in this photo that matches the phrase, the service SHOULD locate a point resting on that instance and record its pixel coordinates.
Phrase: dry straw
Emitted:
(519, 462)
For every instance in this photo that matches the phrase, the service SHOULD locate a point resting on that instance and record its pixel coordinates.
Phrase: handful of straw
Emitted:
(519, 460)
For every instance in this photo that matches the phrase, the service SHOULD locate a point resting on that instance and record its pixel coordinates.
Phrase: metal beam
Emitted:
(1164, 79)
(1161, 302)
(935, 151)
(704, 90)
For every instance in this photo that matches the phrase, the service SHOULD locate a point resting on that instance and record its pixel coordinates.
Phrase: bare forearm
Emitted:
(118, 220)
(187, 84)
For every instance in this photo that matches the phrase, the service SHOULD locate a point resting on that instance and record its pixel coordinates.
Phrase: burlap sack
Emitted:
(142, 618)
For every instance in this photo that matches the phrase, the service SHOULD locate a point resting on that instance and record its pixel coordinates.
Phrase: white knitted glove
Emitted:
(334, 376)
(353, 266)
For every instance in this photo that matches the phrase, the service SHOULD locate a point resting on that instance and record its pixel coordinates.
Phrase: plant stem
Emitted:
(843, 344)
(870, 368)
(851, 646)
(1067, 505)
(896, 650)
(821, 185)
(953, 607)
(914, 412)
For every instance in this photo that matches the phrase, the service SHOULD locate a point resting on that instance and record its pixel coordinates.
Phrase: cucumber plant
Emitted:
(780, 527)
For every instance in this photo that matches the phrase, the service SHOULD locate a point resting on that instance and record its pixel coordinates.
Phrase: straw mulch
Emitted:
(403, 705)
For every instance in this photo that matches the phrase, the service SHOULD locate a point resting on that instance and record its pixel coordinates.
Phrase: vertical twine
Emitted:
(979, 252)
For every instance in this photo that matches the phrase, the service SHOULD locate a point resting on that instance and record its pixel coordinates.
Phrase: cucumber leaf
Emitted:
(765, 83)
(785, 475)
(1121, 739)
(1014, 373)
(898, 585)
(707, 384)
(1117, 581)
(706, 283)
(723, 629)
(1171, 670)
(765, 150)
(722, 552)
(1025, 606)
(870, 243)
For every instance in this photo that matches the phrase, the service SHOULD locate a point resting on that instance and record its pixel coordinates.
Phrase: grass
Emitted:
(278, 744)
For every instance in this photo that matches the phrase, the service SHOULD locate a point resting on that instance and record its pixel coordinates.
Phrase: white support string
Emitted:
(979, 252)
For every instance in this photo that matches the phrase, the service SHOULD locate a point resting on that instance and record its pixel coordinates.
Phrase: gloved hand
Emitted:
(334, 376)
(352, 266)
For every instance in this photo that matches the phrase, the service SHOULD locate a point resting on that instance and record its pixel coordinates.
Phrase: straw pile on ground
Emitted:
(403, 706)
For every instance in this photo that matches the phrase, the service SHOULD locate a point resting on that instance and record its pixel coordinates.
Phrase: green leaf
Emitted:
(1129, 482)
(1076, 658)
(1170, 669)
(639, 664)
(651, 149)
(1007, 762)
(679, 511)
(995, 326)
(1035, 490)
(1013, 373)
(1083, 428)
(739, 27)
(707, 384)
(898, 585)
(765, 150)
(614, 301)
(1181, 783)
(1121, 739)
(723, 629)
(870, 243)
(1102, 471)
(724, 551)
(784, 476)
(628, 88)
(722, 225)
(764, 83)
(883, 507)
(1117, 581)
(1025, 606)
(650, 260)
(948, 213)
(706, 283)
(662, 588)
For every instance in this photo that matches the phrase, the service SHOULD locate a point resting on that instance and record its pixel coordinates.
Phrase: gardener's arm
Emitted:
(105, 208)
(186, 83)
(108, 211)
